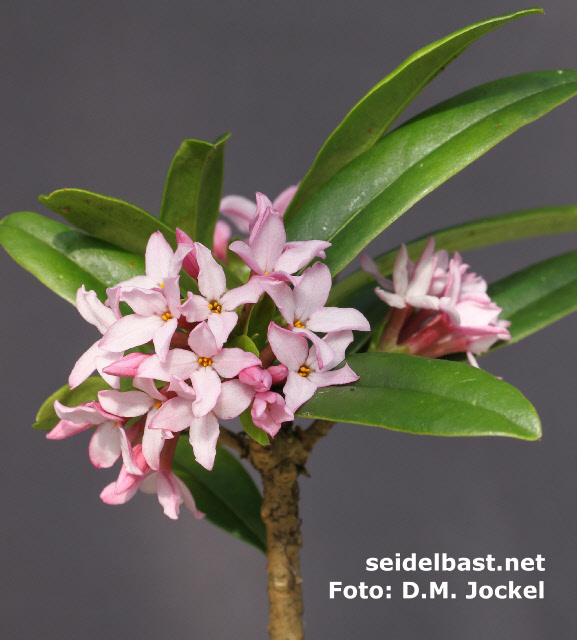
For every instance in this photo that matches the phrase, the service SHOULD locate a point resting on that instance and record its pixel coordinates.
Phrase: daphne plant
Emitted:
(197, 330)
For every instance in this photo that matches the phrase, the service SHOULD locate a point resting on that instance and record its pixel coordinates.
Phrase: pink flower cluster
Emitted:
(437, 305)
(195, 377)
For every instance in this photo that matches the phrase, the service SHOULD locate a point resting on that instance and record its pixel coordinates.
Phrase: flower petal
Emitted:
(312, 293)
(174, 415)
(179, 362)
(126, 367)
(206, 384)
(84, 366)
(298, 254)
(345, 375)
(128, 404)
(221, 325)
(195, 309)
(163, 336)
(230, 362)
(234, 398)
(104, 448)
(247, 293)
(93, 311)
(337, 319)
(130, 331)
(211, 278)
(158, 257)
(239, 210)
(204, 432)
(66, 428)
(282, 201)
(298, 390)
(220, 239)
(290, 348)
(246, 254)
(268, 243)
(188, 500)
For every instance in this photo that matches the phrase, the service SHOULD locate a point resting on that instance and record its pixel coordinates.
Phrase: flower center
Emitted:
(205, 362)
(214, 306)
(167, 316)
(158, 405)
(304, 371)
(162, 285)
(298, 324)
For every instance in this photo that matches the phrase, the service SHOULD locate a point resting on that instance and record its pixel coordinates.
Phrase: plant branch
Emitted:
(236, 441)
(317, 431)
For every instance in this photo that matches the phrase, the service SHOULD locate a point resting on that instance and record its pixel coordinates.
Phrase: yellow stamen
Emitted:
(158, 405)
(162, 285)
(205, 362)
(304, 371)
(214, 306)
(266, 273)
(298, 324)
(167, 316)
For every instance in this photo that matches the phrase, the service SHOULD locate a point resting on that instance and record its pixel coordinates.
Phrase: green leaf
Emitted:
(381, 184)
(110, 219)
(427, 397)
(64, 259)
(244, 343)
(252, 430)
(464, 237)
(537, 296)
(260, 317)
(370, 118)
(46, 418)
(118, 222)
(193, 189)
(227, 494)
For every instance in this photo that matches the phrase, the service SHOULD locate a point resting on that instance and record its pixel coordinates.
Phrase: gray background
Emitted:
(99, 96)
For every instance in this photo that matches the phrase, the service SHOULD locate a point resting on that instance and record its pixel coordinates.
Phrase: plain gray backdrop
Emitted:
(99, 96)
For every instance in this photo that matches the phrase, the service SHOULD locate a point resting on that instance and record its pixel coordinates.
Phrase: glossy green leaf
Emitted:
(46, 418)
(537, 296)
(244, 343)
(63, 259)
(381, 184)
(464, 237)
(252, 430)
(370, 118)
(193, 189)
(427, 397)
(227, 494)
(110, 219)
(260, 317)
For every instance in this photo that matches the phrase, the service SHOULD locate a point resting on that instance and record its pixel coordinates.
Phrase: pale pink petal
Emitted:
(201, 340)
(323, 351)
(158, 257)
(188, 500)
(234, 398)
(283, 296)
(179, 362)
(247, 293)
(345, 375)
(283, 199)
(338, 341)
(148, 485)
(128, 457)
(370, 267)
(152, 443)
(109, 495)
(337, 319)
(263, 207)
(312, 293)
(179, 386)
(211, 278)
(472, 360)
(147, 385)
(145, 302)
(269, 411)
(130, 331)
(268, 244)
(206, 384)
(81, 414)
(278, 373)
(128, 404)
(392, 299)
(246, 254)
(84, 366)
(423, 272)
(221, 325)
(204, 432)
(189, 263)
(169, 494)
(230, 362)
(94, 311)
(195, 309)
(126, 367)
(298, 254)
(175, 264)
(402, 271)
(290, 348)
(105, 445)
(423, 302)
(256, 377)
(174, 415)
(104, 360)
(163, 336)
(66, 428)
(220, 240)
(171, 292)
(298, 390)
(239, 210)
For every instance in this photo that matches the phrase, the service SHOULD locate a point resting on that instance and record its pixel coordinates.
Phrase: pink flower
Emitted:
(180, 413)
(411, 282)
(109, 440)
(240, 210)
(269, 409)
(304, 373)
(171, 491)
(222, 233)
(155, 318)
(204, 365)
(216, 305)
(268, 253)
(304, 309)
(97, 314)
